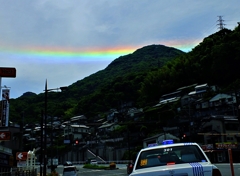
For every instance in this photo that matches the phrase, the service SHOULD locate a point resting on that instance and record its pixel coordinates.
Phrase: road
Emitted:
(122, 171)
(226, 169)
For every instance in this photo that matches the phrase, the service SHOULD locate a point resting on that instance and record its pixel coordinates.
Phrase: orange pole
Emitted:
(231, 161)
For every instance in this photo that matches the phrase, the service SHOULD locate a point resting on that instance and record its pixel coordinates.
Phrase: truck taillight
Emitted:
(216, 172)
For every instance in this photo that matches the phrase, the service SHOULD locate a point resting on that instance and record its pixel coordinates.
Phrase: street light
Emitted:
(45, 125)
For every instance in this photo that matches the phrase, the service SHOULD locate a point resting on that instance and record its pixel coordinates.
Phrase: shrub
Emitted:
(53, 173)
(112, 165)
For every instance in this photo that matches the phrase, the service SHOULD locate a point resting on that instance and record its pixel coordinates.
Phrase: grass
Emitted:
(91, 166)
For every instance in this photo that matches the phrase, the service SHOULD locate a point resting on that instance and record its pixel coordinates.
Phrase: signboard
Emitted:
(7, 72)
(66, 141)
(5, 94)
(3, 113)
(21, 163)
(226, 145)
(207, 147)
(5, 135)
(21, 156)
(5, 107)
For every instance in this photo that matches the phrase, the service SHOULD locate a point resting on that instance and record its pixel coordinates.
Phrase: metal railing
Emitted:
(22, 172)
(103, 162)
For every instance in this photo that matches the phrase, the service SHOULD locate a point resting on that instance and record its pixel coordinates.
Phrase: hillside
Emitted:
(103, 90)
(142, 60)
(141, 78)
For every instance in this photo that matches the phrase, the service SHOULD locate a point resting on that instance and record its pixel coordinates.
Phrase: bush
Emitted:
(90, 166)
(53, 173)
(112, 165)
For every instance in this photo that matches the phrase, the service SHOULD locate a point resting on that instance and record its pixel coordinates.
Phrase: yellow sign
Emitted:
(143, 162)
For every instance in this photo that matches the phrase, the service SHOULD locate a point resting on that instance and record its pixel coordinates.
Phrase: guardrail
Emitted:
(20, 172)
(103, 162)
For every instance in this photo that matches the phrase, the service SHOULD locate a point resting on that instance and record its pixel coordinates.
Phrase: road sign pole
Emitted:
(0, 85)
(42, 150)
(0, 103)
(45, 133)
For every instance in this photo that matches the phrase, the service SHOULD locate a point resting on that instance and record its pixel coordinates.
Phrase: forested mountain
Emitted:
(142, 77)
(215, 61)
(105, 89)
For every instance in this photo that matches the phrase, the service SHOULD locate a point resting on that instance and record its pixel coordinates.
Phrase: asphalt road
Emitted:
(226, 169)
(122, 170)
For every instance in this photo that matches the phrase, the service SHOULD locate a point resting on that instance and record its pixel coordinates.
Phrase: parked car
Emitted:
(174, 159)
(68, 163)
(93, 162)
(70, 171)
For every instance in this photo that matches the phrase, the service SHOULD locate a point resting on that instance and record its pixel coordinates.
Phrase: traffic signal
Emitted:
(184, 137)
(76, 142)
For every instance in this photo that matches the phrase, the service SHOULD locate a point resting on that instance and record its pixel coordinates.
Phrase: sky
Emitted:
(63, 41)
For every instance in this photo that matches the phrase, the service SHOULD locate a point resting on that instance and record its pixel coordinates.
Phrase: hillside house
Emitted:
(134, 113)
(222, 133)
(76, 131)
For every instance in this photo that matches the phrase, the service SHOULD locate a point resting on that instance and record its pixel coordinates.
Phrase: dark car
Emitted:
(68, 163)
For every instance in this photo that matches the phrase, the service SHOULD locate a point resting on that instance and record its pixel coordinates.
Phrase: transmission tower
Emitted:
(220, 22)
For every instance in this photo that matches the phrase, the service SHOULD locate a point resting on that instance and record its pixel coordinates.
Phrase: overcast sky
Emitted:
(63, 41)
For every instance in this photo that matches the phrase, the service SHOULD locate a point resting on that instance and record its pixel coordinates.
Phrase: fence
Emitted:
(103, 162)
(21, 172)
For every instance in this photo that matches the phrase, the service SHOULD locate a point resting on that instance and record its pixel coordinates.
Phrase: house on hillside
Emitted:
(79, 131)
(75, 131)
(180, 93)
(202, 89)
(186, 100)
(224, 104)
(221, 133)
(106, 128)
(113, 116)
(134, 113)
(77, 120)
(221, 99)
(225, 126)
(170, 98)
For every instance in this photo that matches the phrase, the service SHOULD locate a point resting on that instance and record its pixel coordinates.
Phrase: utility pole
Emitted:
(45, 133)
(220, 24)
(42, 146)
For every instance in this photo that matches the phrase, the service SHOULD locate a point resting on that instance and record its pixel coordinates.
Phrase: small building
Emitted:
(221, 133)
(158, 139)
(76, 131)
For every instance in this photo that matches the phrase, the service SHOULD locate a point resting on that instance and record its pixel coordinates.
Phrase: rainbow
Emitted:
(64, 53)
(184, 45)
(51, 54)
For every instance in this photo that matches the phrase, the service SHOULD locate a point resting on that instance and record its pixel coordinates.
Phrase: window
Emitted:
(231, 126)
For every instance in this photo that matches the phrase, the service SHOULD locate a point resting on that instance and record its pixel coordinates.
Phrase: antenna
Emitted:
(220, 24)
